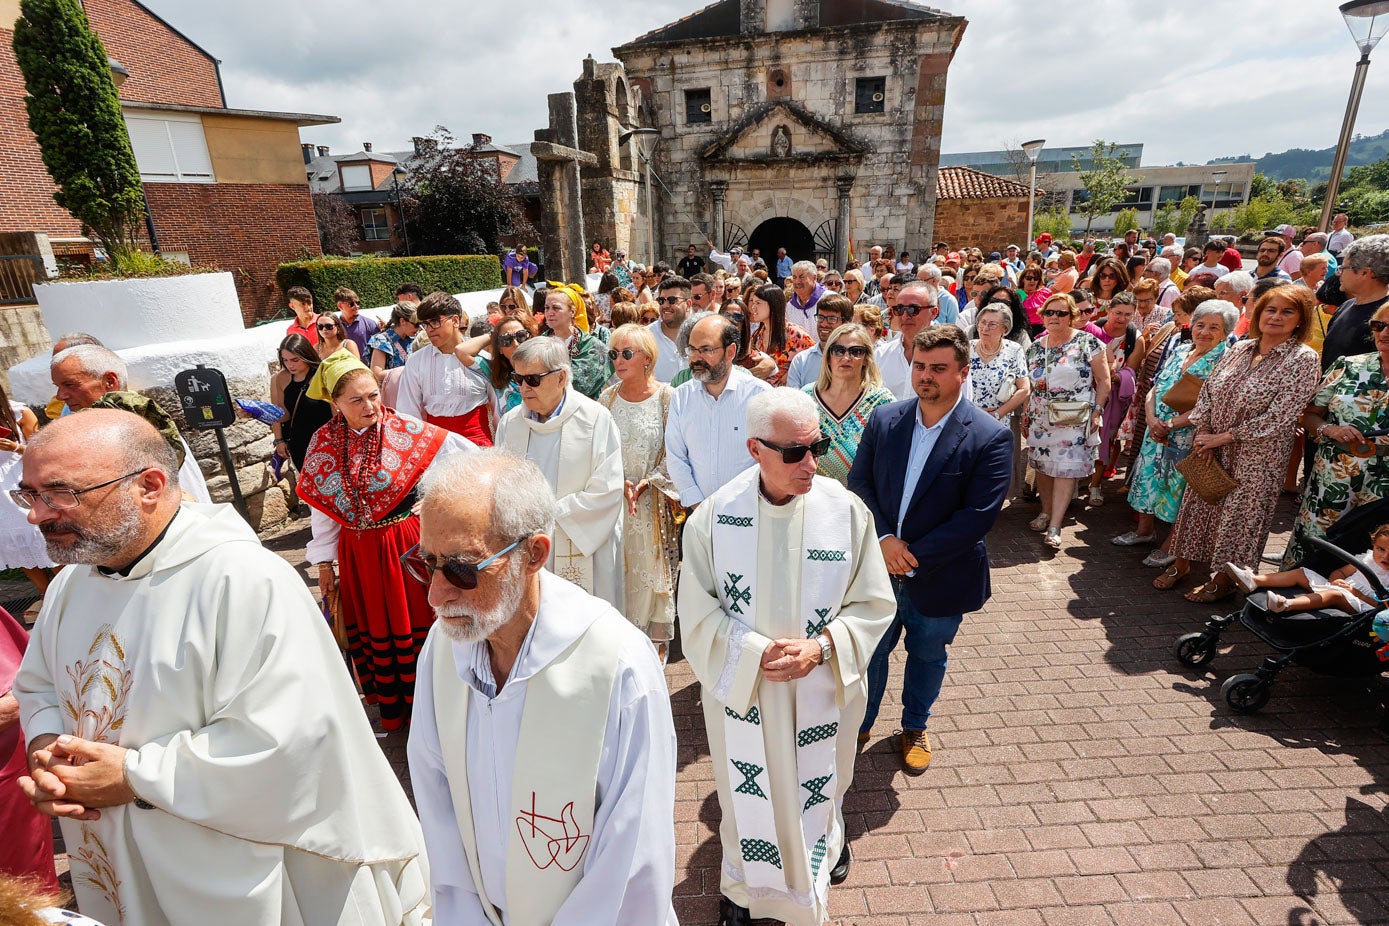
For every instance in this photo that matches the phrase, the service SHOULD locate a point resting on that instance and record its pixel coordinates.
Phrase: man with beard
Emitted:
(673, 302)
(706, 440)
(191, 722)
(1266, 259)
(542, 752)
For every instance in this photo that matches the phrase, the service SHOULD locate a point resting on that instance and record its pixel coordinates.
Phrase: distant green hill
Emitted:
(1314, 166)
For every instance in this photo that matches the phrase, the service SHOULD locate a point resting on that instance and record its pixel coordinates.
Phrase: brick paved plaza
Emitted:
(1080, 776)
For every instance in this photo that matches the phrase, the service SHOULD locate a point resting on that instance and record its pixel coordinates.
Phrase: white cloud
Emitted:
(1190, 79)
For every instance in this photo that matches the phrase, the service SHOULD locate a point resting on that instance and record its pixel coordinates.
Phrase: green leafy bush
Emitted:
(1054, 221)
(374, 279)
(1125, 220)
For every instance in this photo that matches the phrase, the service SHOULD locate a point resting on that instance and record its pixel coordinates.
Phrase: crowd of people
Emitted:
(792, 466)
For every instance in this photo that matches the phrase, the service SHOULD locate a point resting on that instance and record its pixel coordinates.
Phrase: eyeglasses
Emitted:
(459, 574)
(713, 351)
(669, 300)
(516, 337)
(63, 499)
(508, 307)
(796, 453)
(626, 353)
(988, 323)
(834, 284)
(345, 302)
(829, 319)
(1056, 313)
(911, 311)
(530, 379)
(1378, 326)
(434, 323)
(857, 351)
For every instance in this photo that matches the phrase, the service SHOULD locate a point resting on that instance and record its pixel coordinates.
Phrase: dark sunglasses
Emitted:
(516, 337)
(1378, 326)
(796, 453)
(626, 353)
(328, 327)
(459, 574)
(669, 300)
(735, 317)
(531, 379)
(833, 284)
(508, 306)
(1056, 313)
(857, 351)
(911, 311)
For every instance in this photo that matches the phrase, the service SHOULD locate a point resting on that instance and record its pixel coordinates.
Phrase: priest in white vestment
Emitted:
(191, 721)
(783, 598)
(542, 752)
(575, 442)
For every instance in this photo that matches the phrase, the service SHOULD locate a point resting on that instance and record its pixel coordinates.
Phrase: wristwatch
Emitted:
(826, 647)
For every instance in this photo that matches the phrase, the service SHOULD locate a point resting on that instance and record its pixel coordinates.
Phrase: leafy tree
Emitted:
(337, 224)
(1054, 221)
(1262, 185)
(457, 203)
(75, 114)
(1105, 182)
(1126, 219)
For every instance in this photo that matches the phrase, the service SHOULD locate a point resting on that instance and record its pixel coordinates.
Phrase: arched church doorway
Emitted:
(782, 232)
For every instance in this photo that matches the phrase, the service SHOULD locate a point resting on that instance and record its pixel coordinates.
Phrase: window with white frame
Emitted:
(169, 148)
(355, 178)
(374, 227)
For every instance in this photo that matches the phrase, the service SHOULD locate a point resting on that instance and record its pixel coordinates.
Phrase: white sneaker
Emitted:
(1096, 496)
(1133, 539)
(1244, 578)
(1276, 602)
(1159, 559)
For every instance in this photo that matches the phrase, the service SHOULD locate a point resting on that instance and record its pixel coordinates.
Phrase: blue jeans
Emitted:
(927, 638)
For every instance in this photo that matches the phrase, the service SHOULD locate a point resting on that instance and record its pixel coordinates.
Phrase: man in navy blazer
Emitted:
(934, 471)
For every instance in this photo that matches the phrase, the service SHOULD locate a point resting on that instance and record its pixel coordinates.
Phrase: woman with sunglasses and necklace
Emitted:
(332, 337)
(639, 404)
(847, 390)
(588, 359)
(360, 477)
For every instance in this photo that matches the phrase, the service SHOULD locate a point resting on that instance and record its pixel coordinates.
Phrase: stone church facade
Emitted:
(805, 124)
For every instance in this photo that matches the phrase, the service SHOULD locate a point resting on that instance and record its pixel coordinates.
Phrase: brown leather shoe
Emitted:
(863, 738)
(916, 751)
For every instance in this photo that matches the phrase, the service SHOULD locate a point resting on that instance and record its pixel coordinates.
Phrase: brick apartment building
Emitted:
(225, 187)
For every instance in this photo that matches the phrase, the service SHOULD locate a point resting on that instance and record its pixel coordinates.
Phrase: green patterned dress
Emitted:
(846, 432)
(1354, 392)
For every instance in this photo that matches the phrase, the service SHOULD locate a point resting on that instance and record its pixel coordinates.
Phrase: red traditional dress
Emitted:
(26, 846)
(364, 483)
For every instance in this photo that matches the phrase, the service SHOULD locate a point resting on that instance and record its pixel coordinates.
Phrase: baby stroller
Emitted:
(1329, 642)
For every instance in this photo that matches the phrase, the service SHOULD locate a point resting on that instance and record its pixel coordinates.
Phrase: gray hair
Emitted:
(999, 308)
(549, 352)
(780, 404)
(1241, 281)
(1172, 252)
(523, 503)
(1229, 314)
(125, 435)
(924, 287)
(95, 362)
(1161, 266)
(803, 266)
(682, 340)
(74, 338)
(1369, 253)
(928, 273)
(833, 273)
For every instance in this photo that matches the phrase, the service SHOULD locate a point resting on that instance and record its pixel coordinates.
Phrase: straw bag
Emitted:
(1207, 477)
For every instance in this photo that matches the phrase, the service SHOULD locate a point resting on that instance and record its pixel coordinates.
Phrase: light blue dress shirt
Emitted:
(923, 442)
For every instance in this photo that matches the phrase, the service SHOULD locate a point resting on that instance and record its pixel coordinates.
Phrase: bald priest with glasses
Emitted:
(542, 752)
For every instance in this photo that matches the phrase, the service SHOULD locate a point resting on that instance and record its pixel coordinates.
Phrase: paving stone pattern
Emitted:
(1081, 776)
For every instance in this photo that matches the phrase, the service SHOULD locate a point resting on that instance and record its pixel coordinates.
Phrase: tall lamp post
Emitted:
(1032, 148)
(1216, 176)
(1367, 20)
(646, 145)
(398, 175)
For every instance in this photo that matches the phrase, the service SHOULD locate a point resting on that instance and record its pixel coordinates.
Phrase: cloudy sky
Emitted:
(1191, 79)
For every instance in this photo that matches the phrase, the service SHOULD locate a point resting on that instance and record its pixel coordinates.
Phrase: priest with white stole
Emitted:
(783, 597)
(542, 751)
(575, 443)
(192, 723)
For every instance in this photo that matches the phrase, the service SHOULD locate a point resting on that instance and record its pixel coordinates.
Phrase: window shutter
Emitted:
(356, 177)
(190, 150)
(154, 152)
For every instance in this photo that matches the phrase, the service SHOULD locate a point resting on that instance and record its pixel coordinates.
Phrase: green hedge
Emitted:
(374, 279)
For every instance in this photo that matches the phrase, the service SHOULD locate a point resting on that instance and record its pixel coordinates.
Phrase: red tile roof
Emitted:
(968, 183)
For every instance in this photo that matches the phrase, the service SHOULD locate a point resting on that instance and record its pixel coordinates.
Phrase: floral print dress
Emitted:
(796, 341)
(1354, 392)
(987, 378)
(1061, 450)
(1156, 486)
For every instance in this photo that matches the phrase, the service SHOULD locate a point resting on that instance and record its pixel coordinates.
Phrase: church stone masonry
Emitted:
(802, 124)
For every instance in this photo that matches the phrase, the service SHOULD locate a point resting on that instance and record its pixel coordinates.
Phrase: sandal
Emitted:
(1211, 592)
(1170, 577)
(1040, 522)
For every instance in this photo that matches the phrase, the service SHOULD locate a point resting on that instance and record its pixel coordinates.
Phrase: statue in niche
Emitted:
(781, 142)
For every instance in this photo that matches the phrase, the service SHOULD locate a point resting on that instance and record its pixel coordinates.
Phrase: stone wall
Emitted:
(988, 224)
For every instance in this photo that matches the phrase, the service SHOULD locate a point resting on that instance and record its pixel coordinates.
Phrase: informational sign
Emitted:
(206, 401)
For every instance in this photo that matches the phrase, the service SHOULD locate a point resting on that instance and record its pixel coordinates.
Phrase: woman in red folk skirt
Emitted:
(360, 474)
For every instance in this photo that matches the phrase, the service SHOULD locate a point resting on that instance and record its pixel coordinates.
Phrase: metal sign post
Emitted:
(207, 405)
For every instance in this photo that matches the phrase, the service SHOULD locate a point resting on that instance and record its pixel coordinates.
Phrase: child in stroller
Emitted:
(1345, 590)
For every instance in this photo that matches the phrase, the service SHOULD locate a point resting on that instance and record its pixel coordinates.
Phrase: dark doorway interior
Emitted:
(782, 232)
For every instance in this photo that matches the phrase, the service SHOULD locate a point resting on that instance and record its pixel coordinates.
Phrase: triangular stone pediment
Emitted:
(783, 132)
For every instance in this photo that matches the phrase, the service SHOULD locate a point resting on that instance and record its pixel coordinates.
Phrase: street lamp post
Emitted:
(1367, 20)
(1216, 175)
(398, 175)
(646, 145)
(1032, 149)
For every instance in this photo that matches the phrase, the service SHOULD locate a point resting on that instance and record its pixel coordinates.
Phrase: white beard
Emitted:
(97, 545)
(464, 624)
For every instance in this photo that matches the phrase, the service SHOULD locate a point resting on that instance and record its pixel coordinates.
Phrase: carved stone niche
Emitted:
(781, 142)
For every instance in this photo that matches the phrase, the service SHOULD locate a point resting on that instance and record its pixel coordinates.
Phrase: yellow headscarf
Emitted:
(333, 368)
(575, 292)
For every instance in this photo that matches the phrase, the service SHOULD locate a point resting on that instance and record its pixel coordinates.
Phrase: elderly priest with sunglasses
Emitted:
(783, 597)
(575, 442)
(192, 725)
(542, 753)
